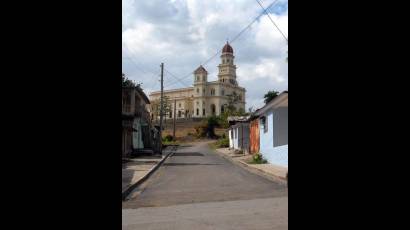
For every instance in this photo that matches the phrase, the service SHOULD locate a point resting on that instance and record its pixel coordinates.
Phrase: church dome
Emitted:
(200, 69)
(227, 48)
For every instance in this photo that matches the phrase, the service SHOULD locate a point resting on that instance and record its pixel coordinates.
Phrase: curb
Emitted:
(259, 172)
(146, 176)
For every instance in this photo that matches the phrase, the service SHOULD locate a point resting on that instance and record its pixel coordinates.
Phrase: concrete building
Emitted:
(205, 97)
(238, 133)
(138, 134)
(273, 130)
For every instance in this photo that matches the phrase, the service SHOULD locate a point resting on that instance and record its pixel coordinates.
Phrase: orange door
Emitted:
(254, 136)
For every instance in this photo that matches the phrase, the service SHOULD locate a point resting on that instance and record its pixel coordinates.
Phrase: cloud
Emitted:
(184, 33)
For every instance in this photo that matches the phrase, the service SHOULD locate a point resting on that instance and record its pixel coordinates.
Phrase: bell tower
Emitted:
(227, 68)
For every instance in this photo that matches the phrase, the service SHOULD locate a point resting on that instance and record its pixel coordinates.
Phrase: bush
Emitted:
(168, 138)
(258, 159)
(201, 130)
(222, 143)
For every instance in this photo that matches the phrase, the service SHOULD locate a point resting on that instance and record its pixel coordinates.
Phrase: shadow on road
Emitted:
(194, 154)
(186, 164)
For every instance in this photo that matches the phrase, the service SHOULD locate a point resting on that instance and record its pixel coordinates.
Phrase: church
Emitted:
(206, 98)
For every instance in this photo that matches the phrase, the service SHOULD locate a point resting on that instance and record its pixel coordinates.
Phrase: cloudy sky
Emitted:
(185, 33)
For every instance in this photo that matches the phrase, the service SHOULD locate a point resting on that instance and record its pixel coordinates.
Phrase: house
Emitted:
(138, 134)
(269, 131)
(239, 133)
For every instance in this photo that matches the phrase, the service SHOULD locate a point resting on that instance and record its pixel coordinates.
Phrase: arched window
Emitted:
(197, 112)
(222, 109)
(212, 91)
(213, 109)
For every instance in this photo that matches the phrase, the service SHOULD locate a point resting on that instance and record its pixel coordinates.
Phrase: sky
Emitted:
(186, 33)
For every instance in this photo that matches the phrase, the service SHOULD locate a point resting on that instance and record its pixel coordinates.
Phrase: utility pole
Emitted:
(175, 115)
(162, 107)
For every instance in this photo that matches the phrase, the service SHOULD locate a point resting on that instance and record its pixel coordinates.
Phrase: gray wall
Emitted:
(280, 126)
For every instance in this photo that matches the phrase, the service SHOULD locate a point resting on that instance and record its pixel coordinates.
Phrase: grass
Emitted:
(213, 145)
(257, 159)
(171, 143)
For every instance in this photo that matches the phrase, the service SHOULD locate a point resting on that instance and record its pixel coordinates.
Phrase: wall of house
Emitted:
(280, 131)
(245, 137)
(275, 155)
(230, 135)
(235, 137)
(137, 134)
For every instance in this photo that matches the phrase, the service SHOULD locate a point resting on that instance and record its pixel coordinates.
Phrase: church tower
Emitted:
(200, 83)
(227, 69)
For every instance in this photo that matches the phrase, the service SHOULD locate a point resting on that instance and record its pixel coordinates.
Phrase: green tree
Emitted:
(156, 107)
(232, 100)
(270, 95)
(127, 82)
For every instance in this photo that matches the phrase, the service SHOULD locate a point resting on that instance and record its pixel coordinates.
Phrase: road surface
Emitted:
(197, 189)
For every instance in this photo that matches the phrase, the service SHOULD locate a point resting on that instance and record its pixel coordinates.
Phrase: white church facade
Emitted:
(206, 98)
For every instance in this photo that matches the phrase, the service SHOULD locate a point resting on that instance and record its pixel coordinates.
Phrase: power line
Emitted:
(145, 72)
(179, 80)
(156, 75)
(272, 21)
(235, 37)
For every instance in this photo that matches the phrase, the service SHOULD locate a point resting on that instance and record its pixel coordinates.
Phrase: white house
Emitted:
(273, 130)
(239, 133)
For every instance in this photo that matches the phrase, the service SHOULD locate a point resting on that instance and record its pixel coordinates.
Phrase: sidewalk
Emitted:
(269, 171)
(136, 170)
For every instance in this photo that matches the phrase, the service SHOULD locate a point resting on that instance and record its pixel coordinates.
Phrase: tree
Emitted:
(270, 95)
(127, 82)
(251, 110)
(156, 107)
(232, 100)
